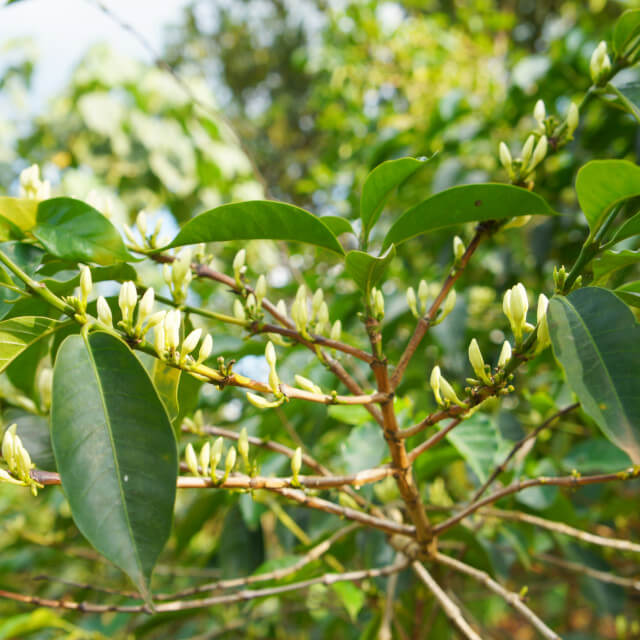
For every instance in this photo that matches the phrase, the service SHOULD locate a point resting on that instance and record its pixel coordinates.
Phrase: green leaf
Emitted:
(363, 448)
(351, 597)
(73, 230)
(611, 261)
(18, 334)
(597, 340)
(601, 184)
(366, 269)
(629, 229)
(115, 451)
(631, 92)
(34, 433)
(595, 456)
(467, 203)
(166, 380)
(379, 184)
(630, 293)
(116, 272)
(477, 440)
(337, 224)
(626, 31)
(17, 215)
(257, 220)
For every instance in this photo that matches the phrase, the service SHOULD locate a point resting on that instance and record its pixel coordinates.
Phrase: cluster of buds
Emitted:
(206, 463)
(533, 153)
(274, 382)
(442, 391)
(515, 305)
(128, 301)
(600, 65)
(178, 275)
(482, 370)
(168, 346)
(376, 302)
(151, 238)
(79, 303)
(18, 460)
(305, 316)
(418, 305)
(31, 186)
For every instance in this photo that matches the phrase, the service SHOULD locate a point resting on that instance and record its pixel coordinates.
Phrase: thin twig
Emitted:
(509, 597)
(450, 608)
(433, 440)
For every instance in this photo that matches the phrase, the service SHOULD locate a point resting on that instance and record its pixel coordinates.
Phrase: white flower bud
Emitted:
(539, 113)
(423, 295)
(306, 384)
(191, 459)
(296, 463)
(243, 445)
(45, 386)
(323, 317)
(505, 354)
(378, 304)
(259, 402)
(281, 308)
(527, 150)
(127, 301)
(505, 157)
(336, 330)
(238, 310)
(141, 223)
(412, 302)
(316, 302)
(252, 303)
(146, 306)
(205, 456)
(270, 355)
(167, 274)
(189, 344)
(542, 335)
(205, 349)
(458, 248)
(434, 381)
(260, 289)
(573, 118)
(600, 64)
(216, 456)
(515, 306)
(8, 446)
(181, 269)
(104, 312)
(86, 284)
(299, 313)
(130, 235)
(238, 265)
(23, 460)
(477, 362)
(154, 319)
(449, 304)
(448, 393)
(230, 461)
(540, 152)
(159, 341)
(172, 322)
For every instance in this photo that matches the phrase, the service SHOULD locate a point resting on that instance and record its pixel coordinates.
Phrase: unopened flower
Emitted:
(515, 305)
(205, 349)
(505, 354)
(296, 463)
(527, 150)
(458, 248)
(306, 384)
(600, 64)
(477, 362)
(423, 294)
(539, 112)
(505, 157)
(141, 223)
(542, 335)
(189, 344)
(205, 456)
(215, 457)
(45, 386)
(412, 302)
(104, 312)
(336, 330)
(539, 152)
(86, 285)
(260, 289)
(172, 322)
(573, 118)
(238, 310)
(243, 446)
(191, 459)
(127, 300)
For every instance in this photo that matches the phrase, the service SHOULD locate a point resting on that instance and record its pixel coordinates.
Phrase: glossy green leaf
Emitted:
(73, 230)
(380, 183)
(257, 220)
(366, 269)
(17, 215)
(467, 203)
(337, 224)
(477, 440)
(600, 354)
(351, 596)
(18, 334)
(596, 455)
(630, 293)
(611, 261)
(629, 229)
(115, 451)
(166, 380)
(116, 272)
(602, 184)
(626, 31)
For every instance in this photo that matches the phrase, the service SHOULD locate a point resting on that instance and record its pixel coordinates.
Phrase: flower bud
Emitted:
(477, 362)
(189, 344)
(205, 349)
(539, 152)
(159, 340)
(449, 304)
(316, 302)
(306, 384)
(600, 64)
(205, 456)
(412, 302)
(542, 336)
(230, 461)
(243, 445)
(238, 310)
(515, 305)
(505, 354)
(573, 118)
(448, 393)
(270, 355)
(281, 308)
(260, 289)
(336, 331)
(145, 307)
(238, 264)
(423, 295)
(86, 285)
(45, 385)
(216, 456)
(155, 319)
(104, 312)
(539, 113)
(505, 157)
(167, 274)
(378, 304)
(299, 313)
(141, 223)
(191, 459)
(23, 461)
(172, 322)
(252, 304)
(127, 301)
(323, 317)
(296, 463)
(527, 150)
(262, 403)
(458, 248)
(8, 446)
(434, 381)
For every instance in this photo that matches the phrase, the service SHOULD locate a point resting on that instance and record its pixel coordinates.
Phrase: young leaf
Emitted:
(366, 269)
(467, 203)
(626, 30)
(257, 220)
(17, 215)
(337, 224)
(630, 293)
(379, 184)
(18, 334)
(629, 229)
(611, 261)
(72, 230)
(115, 451)
(601, 184)
(600, 354)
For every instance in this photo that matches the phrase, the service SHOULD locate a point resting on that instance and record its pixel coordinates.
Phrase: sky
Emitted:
(63, 30)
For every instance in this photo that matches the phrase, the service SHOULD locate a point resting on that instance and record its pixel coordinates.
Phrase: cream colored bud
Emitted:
(505, 354)
(519, 303)
(458, 248)
(379, 304)
(316, 302)
(181, 268)
(86, 284)
(307, 385)
(146, 303)
(434, 381)
(191, 459)
(449, 304)
(252, 303)
(448, 393)
(260, 289)
(172, 322)
(527, 150)
(281, 308)
(230, 460)
(539, 113)
(104, 312)
(296, 463)
(155, 319)
(243, 445)
(600, 64)
(159, 341)
(167, 274)
(274, 382)
(205, 349)
(336, 330)
(423, 295)
(130, 235)
(542, 335)
(205, 456)
(299, 313)
(539, 152)
(216, 456)
(262, 403)
(477, 361)
(8, 446)
(141, 223)
(238, 264)
(505, 157)
(412, 302)
(238, 310)
(5, 477)
(323, 313)
(23, 461)
(127, 301)
(573, 118)
(270, 355)
(45, 386)
(189, 344)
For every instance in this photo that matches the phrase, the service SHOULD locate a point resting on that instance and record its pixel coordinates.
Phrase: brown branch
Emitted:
(450, 608)
(513, 599)
(183, 605)
(518, 445)
(433, 440)
(564, 529)
(562, 481)
(425, 321)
